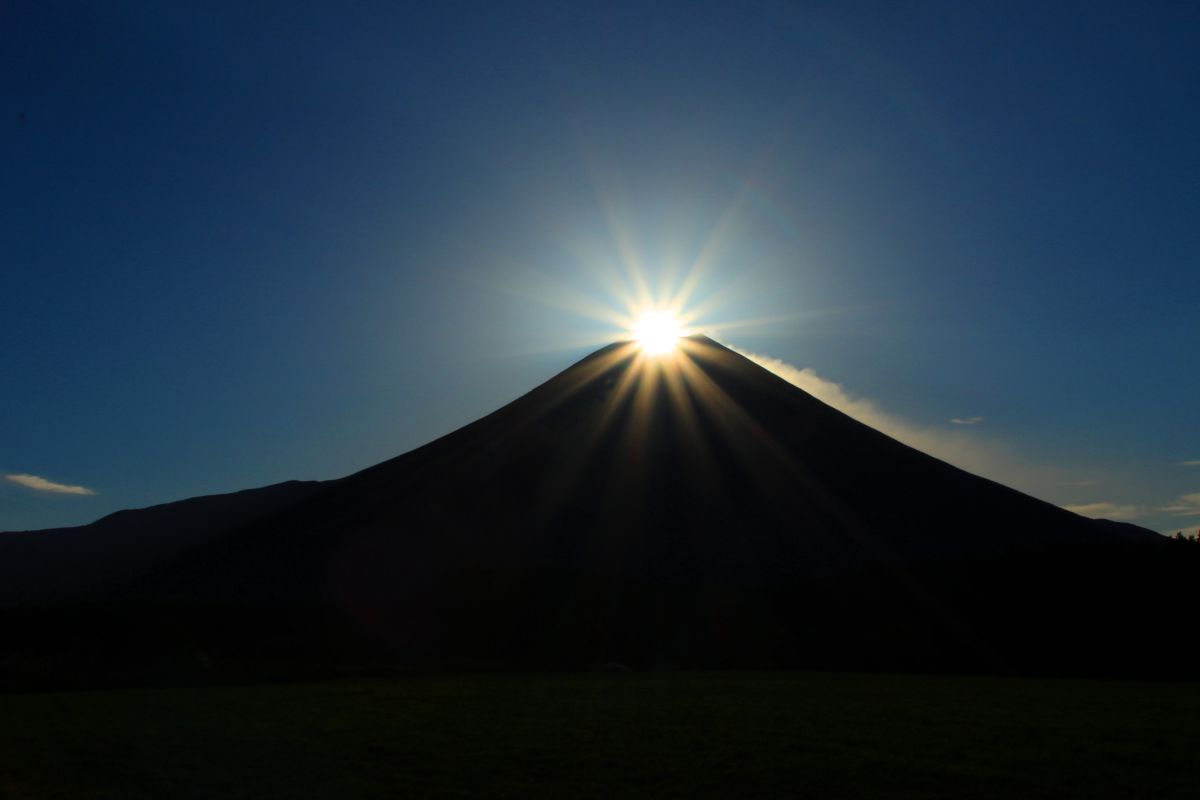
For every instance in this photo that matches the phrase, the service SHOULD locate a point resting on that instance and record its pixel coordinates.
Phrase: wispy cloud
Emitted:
(960, 447)
(1107, 510)
(1195, 463)
(967, 420)
(40, 484)
(1186, 505)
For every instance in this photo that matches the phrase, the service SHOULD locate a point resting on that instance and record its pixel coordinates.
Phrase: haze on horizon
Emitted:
(251, 244)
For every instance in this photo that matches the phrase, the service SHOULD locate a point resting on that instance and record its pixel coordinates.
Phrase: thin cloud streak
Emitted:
(40, 484)
(1195, 463)
(1107, 511)
(1186, 505)
(967, 420)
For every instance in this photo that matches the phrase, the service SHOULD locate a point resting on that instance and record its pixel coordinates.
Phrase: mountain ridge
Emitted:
(571, 399)
(693, 509)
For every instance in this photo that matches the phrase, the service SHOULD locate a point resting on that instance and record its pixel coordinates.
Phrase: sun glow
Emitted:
(657, 332)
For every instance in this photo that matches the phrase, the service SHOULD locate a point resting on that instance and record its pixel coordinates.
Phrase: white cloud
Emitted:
(962, 448)
(1186, 505)
(1107, 510)
(967, 420)
(1195, 463)
(42, 485)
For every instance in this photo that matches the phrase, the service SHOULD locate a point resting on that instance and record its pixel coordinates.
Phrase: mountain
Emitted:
(688, 510)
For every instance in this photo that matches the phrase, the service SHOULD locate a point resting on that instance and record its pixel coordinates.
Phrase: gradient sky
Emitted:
(251, 242)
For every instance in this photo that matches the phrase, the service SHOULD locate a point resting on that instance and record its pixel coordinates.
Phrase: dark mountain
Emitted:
(689, 510)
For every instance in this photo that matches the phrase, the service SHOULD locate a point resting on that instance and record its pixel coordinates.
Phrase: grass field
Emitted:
(622, 735)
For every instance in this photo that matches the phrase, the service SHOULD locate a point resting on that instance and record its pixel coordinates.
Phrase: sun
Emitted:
(657, 332)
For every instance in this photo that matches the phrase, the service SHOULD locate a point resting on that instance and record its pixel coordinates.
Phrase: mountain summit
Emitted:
(633, 507)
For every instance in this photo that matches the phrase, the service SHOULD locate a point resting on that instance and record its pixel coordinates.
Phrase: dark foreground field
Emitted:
(610, 735)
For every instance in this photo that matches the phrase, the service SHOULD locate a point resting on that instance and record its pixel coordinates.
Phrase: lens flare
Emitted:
(657, 332)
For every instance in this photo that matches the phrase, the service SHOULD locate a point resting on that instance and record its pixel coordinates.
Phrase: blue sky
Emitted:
(251, 242)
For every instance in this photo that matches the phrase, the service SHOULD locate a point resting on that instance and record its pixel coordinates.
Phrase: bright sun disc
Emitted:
(657, 332)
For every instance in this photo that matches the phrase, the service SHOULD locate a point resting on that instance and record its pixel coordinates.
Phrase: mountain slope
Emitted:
(625, 496)
(713, 471)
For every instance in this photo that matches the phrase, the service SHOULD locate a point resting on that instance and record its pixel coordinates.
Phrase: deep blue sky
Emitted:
(249, 243)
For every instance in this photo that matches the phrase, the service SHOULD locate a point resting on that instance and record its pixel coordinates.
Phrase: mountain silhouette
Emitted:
(693, 509)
